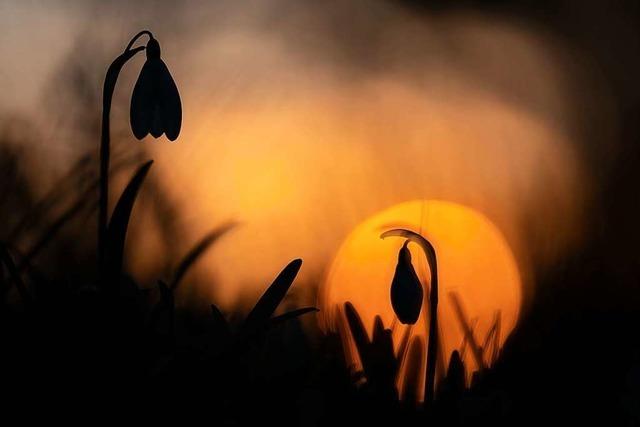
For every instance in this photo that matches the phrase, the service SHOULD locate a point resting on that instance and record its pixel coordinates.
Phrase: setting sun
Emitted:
(475, 267)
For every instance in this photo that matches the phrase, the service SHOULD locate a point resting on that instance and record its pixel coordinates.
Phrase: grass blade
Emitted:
(358, 331)
(273, 296)
(466, 329)
(292, 315)
(117, 230)
(197, 251)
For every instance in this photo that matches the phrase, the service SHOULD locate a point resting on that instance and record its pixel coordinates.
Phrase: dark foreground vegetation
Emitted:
(85, 338)
(118, 347)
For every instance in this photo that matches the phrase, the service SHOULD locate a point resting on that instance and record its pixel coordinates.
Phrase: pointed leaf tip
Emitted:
(273, 296)
(358, 330)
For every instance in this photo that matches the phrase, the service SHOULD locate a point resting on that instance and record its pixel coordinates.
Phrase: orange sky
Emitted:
(301, 171)
(300, 131)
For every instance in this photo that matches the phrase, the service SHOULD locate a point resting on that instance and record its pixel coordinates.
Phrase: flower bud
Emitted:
(406, 289)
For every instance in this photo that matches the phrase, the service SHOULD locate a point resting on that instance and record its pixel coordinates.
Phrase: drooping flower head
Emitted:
(406, 289)
(155, 104)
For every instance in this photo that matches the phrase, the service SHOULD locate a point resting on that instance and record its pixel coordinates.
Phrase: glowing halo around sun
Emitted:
(474, 262)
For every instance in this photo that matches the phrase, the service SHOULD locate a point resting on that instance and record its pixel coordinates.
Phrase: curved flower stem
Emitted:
(137, 36)
(107, 95)
(432, 346)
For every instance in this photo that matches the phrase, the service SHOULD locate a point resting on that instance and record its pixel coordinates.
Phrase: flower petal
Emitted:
(169, 102)
(157, 128)
(142, 102)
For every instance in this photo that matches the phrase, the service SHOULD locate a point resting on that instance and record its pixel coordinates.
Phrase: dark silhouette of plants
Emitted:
(377, 355)
(124, 343)
(469, 337)
(155, 103)
(260, 318)
(432, 346)
(155, 109)
(80, 180)
(116, 326)
(117, 230)
(406, 289)
(413, 361)
(167, 290)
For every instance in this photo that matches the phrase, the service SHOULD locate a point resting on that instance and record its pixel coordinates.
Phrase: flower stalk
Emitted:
(105, 141)
(432, 344)
(155, 108)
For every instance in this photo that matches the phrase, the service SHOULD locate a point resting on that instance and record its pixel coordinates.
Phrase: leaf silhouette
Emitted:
(117, 230)
(456, 373)
(377, 355)
(197, 251)
(75, 180)
(269, 301)
(492, 339)
(358, 330)
(292, 315)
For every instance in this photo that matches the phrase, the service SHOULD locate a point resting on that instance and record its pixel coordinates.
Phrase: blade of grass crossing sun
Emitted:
(476, 350)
